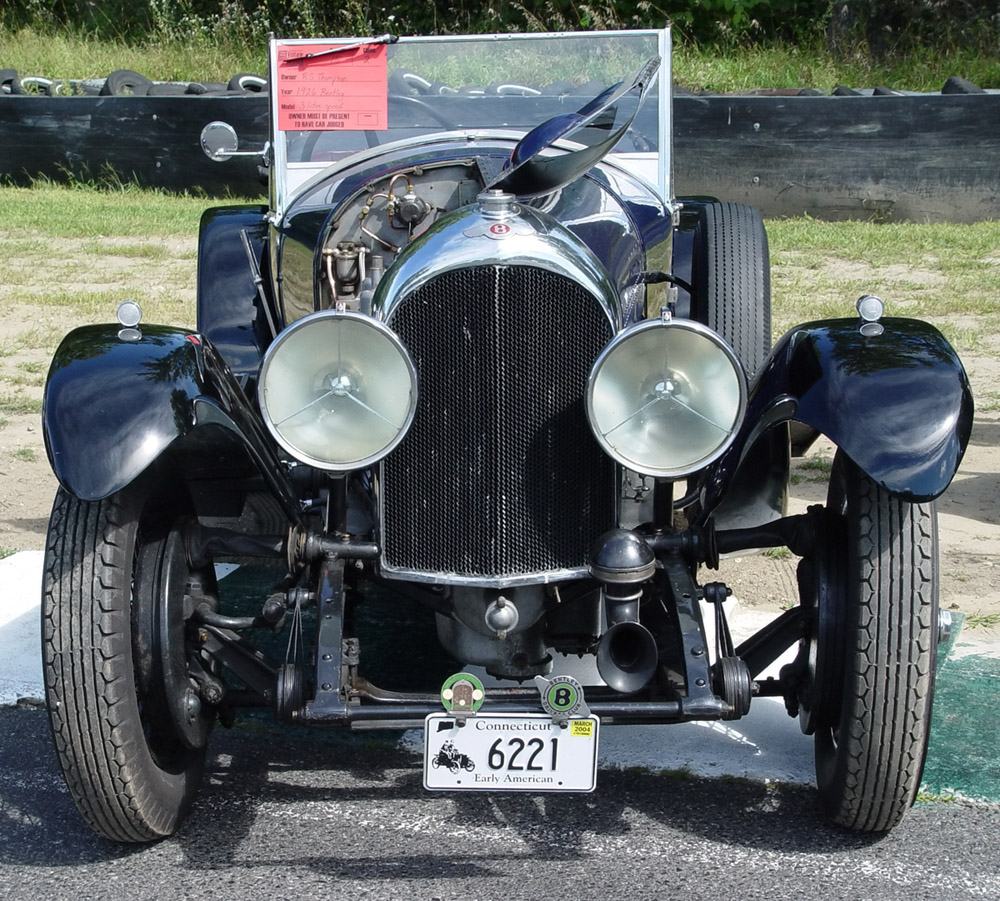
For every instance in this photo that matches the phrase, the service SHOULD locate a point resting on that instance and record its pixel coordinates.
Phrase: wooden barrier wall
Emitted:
(932, 158)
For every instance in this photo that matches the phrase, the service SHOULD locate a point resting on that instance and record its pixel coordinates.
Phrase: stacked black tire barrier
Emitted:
(924, 158)
(875, 154)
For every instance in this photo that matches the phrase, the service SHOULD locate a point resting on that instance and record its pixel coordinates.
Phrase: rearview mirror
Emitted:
(219, 141)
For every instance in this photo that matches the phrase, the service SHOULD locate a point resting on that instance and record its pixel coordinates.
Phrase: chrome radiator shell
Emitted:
(500, 480)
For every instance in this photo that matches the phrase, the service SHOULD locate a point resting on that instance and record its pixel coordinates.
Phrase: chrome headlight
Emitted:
(338, 390)
(666, 398)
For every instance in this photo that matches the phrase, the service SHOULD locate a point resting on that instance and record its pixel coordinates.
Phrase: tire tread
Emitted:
(738, 280)
(87, 668)
(889, 684)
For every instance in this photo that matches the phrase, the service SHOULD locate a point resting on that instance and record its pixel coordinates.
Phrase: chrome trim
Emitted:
(463, 239)
(306, 322)
(692, 326)
(665, 139)
(546, 577)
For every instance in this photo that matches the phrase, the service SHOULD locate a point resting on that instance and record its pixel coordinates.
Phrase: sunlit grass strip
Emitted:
(169, 307)
(948, 274)
(14, 404)
(81, 211)
(813, 66)
(75, 56)
(201, 56)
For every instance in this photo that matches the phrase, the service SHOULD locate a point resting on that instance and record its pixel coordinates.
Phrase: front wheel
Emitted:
(128, 726)
(871, 735)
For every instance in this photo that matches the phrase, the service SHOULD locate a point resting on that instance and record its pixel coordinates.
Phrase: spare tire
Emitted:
(124, 82)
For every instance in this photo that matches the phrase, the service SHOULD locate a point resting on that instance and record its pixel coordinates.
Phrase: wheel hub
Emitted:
(162, 610)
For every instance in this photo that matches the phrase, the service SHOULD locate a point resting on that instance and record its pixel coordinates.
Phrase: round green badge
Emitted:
(462, 693)
(563, 696)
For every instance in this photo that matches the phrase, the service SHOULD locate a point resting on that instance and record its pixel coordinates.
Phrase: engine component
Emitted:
(344, 266)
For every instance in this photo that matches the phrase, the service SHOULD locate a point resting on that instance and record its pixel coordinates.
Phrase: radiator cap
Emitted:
(497, 204)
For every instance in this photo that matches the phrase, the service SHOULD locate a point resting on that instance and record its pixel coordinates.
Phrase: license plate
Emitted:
(510, 752)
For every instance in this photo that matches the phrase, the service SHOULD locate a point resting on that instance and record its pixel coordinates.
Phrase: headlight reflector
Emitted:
(666, 398)
(338, 390)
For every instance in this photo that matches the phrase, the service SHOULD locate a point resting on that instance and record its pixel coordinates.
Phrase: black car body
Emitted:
(474, 357)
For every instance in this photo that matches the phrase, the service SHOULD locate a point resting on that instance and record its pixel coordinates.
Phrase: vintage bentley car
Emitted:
(486, 403)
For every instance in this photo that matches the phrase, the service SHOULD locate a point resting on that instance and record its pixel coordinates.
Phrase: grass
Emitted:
(945, 273)
(87, 210)
(107, 243)
(927, 797)
(988, 401)
(197, 56)
(811, 469)
(812, 66)
(7, 552)
(67, 55)
(982, 620)
(777, 553)
(21, 380)
(18, 404)
(114, 242)
(24, 455)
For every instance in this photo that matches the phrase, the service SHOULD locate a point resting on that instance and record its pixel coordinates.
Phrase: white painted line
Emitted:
(20, 653)
(766, 745)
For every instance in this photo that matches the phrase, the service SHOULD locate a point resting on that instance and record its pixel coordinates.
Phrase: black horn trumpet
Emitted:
(626, 655)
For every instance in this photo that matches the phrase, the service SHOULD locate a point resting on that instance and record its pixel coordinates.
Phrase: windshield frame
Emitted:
(287, 177)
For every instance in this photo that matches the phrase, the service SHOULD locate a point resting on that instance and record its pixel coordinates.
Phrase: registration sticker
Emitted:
(510, 752)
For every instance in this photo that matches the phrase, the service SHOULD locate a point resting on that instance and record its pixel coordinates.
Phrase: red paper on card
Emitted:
(342, 91)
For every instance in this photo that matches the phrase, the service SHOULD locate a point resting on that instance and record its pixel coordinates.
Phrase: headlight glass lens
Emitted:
(665, 399)
(338, 390)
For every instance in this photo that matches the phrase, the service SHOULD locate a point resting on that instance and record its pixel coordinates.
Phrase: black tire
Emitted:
(125, 82)
(9, 82)
(167, 89)
(731, 280)
(870, 743)
(207, 87)
(247, 83)
(115, 669)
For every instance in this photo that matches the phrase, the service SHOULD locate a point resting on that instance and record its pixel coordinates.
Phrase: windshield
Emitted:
(333, 98)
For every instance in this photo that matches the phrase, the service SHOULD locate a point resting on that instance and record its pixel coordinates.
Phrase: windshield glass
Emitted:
(333, 98)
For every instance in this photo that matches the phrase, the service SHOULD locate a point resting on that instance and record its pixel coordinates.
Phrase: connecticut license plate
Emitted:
(510, 752)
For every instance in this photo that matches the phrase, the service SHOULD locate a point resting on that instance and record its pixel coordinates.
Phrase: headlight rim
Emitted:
(337, 315)
(628, 333)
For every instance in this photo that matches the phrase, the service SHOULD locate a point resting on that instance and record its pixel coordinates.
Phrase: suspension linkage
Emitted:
(704, 544)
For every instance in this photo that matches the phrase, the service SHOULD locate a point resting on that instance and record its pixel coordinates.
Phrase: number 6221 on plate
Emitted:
(510, 752)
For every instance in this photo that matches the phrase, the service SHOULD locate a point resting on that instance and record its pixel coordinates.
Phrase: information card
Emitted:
(323, 91)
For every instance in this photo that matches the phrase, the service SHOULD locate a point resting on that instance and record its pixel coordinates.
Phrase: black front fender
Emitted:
(898, 404)
(114, 405)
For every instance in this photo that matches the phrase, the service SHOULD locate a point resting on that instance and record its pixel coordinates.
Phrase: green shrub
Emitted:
(876, 27)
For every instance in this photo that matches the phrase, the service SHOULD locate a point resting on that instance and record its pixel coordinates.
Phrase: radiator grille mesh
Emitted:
(499, 475)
